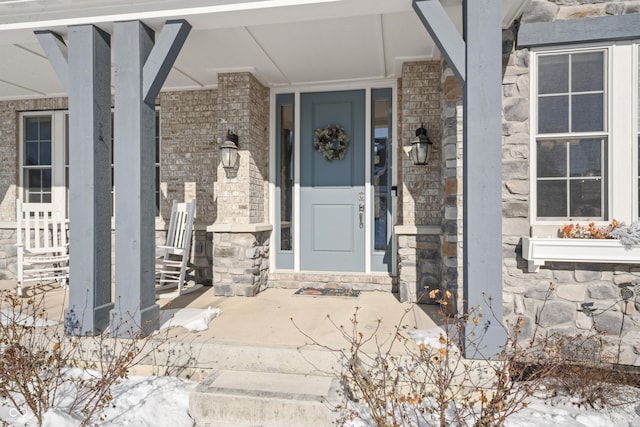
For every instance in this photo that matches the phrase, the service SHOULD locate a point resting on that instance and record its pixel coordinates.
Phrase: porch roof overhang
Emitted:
(282, 42)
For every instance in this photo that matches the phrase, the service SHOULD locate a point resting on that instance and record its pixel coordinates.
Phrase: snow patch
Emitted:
(192, 319)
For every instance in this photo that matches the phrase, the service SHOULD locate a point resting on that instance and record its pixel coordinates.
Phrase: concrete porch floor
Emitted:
(255, 367)
(267, 321)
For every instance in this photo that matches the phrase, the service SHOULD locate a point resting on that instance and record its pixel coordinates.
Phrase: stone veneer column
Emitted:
(241, 233)
(420, 199)
(451, 163)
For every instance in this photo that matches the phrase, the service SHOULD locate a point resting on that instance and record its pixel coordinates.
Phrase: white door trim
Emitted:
(297, 91)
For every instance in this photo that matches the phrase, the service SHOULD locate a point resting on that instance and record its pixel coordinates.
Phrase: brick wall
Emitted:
(243, 107)
(421, 196)
(259, 143)
(189, 152)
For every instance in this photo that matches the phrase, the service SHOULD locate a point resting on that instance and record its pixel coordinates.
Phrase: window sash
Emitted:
(580, 185)
(38, 180)
(570, 188)
(563, 104)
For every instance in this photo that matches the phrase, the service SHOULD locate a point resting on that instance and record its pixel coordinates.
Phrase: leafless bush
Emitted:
(39, 364)
(404, 383)
(595, 384)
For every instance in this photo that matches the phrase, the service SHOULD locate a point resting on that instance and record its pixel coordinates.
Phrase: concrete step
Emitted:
(265, 399)
(209, 356)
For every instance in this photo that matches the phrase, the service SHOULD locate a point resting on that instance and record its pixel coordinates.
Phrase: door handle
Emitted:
(361, 212)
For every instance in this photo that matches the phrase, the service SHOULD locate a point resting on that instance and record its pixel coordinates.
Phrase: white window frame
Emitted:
(621, 127)
(59, 187)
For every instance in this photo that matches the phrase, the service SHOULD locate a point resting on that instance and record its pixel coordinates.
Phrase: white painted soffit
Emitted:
(282, 42)
(33, 14)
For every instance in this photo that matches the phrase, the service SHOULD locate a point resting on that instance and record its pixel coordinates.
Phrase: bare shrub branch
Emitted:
(41, 368)
(406, 382)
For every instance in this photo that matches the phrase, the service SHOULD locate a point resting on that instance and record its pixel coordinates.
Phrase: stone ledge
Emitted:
(239, 228)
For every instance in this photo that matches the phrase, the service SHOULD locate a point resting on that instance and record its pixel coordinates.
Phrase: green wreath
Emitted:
(331, 142)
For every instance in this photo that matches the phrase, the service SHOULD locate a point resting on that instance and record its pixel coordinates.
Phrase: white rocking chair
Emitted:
(42, 248)
(173, 262)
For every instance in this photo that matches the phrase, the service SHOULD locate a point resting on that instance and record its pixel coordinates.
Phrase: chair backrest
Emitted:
(40, 227)
(181, 225)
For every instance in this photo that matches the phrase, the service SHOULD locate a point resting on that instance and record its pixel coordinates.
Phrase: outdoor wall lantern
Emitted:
(421, 147)
(229, 150)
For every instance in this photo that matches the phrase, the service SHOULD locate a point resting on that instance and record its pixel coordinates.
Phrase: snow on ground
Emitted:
(164, 401)
(556, 413)
(539, 414)
(137, 402)
(151, 401)
(192, 319)
(25, 319)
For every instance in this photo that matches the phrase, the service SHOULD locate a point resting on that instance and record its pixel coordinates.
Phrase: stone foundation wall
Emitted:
(579, 299)
(573, 298)
(202, 257)
(419, 266)
(240, 263)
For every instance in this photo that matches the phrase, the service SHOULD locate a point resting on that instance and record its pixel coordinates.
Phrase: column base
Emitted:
(135, 324)
(88, 321)
(240, 258)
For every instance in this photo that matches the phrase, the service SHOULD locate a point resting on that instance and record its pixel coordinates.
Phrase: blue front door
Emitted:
(332, 197)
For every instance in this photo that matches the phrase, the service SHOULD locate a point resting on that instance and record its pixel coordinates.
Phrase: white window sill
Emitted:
(537, 251)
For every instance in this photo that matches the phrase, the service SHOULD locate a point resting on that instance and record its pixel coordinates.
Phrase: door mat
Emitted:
(327, 292)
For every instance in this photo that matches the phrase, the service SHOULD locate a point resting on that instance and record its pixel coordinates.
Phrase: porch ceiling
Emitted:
(283, 42)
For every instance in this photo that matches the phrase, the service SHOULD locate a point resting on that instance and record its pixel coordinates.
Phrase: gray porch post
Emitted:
(140, 68)
(87, 77)
(482, 172)
(480, 70)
